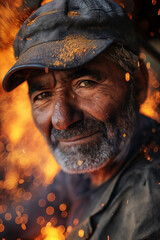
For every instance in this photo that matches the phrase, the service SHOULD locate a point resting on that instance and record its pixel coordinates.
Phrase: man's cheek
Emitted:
(103, 110)
(42, 121)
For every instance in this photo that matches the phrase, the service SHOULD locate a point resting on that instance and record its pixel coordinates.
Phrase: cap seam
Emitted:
(30, 22)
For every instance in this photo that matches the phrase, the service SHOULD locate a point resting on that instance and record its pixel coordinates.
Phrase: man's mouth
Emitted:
(80, 139)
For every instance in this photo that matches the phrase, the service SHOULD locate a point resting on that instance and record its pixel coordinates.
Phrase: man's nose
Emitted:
(65, 114)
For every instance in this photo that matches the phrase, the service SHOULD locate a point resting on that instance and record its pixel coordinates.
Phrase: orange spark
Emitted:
(154, 2)
(127, 76)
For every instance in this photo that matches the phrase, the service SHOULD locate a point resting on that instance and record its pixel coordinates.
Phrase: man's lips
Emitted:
(80, 139)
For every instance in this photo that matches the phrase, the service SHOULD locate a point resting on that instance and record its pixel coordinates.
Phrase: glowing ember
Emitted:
(8, 216)
(51, 197)
(41, 220)
(69, 229)
(45, 1)
(2, 227)
(148, 65)
(81, 233)
(76, 221)
(130, 16)
(49, 233)
(149, 107)
(62, 207)
(42, 203)
(80, 162)
(154, 2)
(127, 77)
(49, 210)
(64, 214)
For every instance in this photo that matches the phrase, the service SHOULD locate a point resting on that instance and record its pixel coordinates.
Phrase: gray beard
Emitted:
(94, 155)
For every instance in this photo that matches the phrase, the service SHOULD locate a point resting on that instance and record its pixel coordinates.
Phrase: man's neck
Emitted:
(102, 175)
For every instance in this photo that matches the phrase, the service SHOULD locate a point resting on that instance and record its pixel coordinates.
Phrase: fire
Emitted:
(51, 233)
(45, 1)
(149, 107)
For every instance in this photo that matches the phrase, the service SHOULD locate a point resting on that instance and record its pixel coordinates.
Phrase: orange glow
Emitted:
(53, 221)
(121, 4)
(23, 226)
(2, 227)
(150, 105)
(11, 180)
(62, 207)
(154, 2)
(17, 127)
(41, 220)
(130, 16)
(49, 233)
(8, 216)
(3, 208)
(127, 76)
(69, 229)
(76, 221)
(80, 162)
(64, 214)
(81, 233)
(148, 65)
(42, 203)
(45, 1)
(51, 197)
(49, 210)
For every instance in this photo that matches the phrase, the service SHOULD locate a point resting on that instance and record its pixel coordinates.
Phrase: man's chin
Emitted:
(82, 170)
(84, 159)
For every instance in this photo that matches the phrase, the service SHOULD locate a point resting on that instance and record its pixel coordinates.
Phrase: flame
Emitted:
(149, 108)
(51, 233)
(17, 127)
(45, 1)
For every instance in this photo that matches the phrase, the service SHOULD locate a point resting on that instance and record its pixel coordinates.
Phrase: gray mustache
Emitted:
(87, 126)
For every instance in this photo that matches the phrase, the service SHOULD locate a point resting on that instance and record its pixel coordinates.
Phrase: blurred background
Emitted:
(25, 161)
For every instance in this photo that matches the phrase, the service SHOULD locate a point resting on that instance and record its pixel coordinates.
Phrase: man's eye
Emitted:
(86, 83)
(42, 96)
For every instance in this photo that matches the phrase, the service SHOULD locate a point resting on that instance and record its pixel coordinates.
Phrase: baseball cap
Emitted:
(65, 34)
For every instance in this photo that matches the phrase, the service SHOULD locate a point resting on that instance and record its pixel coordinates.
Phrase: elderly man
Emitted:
(86, 84)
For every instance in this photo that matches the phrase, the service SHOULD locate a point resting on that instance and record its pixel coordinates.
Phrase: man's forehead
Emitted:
(93, 68)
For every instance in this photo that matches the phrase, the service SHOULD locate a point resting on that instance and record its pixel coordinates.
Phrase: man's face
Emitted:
(86, 114)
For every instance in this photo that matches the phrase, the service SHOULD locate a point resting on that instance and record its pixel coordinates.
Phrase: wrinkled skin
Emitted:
(83, 113)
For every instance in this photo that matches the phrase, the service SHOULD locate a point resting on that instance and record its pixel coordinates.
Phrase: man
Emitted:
(86, 84)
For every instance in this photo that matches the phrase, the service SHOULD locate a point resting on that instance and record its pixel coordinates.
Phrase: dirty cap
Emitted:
(65, 34)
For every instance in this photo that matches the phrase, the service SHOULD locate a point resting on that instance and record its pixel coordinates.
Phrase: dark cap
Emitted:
(65, 34)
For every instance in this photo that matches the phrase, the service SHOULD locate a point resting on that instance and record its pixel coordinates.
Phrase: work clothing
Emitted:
(126, 207)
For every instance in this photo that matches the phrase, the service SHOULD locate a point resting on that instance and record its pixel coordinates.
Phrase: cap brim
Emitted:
(57, 55)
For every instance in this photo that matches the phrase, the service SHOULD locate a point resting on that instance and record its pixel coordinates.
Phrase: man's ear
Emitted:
(141, 82)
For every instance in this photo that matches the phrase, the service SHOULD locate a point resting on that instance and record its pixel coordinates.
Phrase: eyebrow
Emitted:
(78, 73)
(74, 74)
(35, 86)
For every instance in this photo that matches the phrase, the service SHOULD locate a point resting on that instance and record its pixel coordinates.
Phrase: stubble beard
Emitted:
(82, 158)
